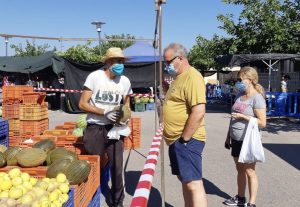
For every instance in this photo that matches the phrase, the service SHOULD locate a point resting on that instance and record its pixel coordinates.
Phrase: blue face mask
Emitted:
(171, 69)
(240, 87)
(117, 69)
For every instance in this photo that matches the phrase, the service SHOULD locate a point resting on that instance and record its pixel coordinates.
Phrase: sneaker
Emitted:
(235, 201)
(251, 205)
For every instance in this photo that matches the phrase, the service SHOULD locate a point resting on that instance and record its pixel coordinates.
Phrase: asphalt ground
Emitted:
(279, 176)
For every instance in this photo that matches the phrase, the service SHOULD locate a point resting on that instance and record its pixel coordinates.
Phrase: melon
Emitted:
(78, 132)
(124, 113)
(10, 155)
(59, 153)
(3, 148)
(31, 157)
(77, 172)
(47, 145)
(58, 167)
(81, 121)
(2, 160)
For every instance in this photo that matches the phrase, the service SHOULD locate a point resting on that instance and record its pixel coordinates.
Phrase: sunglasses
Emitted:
(168, 62)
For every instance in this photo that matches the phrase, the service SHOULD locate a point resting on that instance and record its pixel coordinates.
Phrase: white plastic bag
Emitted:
(252, 149)
(117, 131)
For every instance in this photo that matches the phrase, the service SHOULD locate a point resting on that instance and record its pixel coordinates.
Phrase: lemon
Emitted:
(25, 176)
(27, 185)
(4, 194)
(44, 198)
(38, 191)
(15, 193)
(53, 196)
(65, 197)
(26, 199)
(43, 185)
(45, 203)
(24, 190)
(64, 188)
(57, 203)
(33, 181)
(35, 204)
(17, 181)
(15, 172)
(61, 178)
(5, 185)
(47, 180)
(2, 174)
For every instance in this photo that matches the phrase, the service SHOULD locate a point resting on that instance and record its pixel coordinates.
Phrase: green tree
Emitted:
(87, 53)
(269, 26)
(203, 53)
(31, 49)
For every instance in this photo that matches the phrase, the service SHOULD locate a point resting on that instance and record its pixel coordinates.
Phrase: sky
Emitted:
(183, 20)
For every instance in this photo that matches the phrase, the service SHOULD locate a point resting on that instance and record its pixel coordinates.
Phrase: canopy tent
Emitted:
(141, 52)
(268, 59)
(32, 64)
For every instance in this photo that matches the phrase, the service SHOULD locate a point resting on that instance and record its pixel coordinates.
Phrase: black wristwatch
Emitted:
(181, 140)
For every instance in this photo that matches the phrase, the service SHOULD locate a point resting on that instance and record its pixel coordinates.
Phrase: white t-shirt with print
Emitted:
(107, 93)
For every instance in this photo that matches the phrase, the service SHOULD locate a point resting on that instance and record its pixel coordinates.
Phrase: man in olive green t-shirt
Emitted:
(184, 128)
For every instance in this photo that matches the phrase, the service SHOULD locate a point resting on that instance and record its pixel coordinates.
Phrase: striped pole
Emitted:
(142, 192)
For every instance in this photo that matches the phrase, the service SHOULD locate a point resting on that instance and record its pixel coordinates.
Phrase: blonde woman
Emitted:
(250, 102)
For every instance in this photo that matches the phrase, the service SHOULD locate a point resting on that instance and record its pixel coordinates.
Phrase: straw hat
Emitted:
(113, 52)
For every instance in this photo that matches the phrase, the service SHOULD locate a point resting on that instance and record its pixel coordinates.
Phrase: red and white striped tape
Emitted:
(58, 90)
(142, 192)
(80, 91)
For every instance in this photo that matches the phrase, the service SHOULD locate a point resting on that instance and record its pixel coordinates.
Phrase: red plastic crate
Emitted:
(57, 132)
(33, 111)
(10, 110)
(33, 97)
(15, 92)
(31, 128)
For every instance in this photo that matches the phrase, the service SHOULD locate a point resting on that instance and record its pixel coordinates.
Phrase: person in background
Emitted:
(103, 91)
(284, 83)
(184, 129)
(250, 102)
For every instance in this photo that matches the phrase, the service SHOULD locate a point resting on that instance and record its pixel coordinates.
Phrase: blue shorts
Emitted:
(186, 160)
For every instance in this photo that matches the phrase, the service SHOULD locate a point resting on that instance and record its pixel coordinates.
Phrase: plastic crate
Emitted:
(65, 127)
(133, 141)
(139, 107)
(10, 110)
(150, 106)
(15, 92)
(20, 141)
(31, 128)
(33, 112)
(4, 141)
(70, 123)
(57, 132)
(3, 128)
(33, 97)
(72, 143)
(14, 124)
(95, 202)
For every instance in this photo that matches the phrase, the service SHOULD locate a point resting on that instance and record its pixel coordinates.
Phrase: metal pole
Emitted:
(270, 67)
(99, 36)
(162, 151)
(6, 44)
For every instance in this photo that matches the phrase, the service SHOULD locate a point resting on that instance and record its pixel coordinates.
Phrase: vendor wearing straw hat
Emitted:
(103, 91)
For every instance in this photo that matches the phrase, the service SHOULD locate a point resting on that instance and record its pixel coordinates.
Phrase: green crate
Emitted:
(139, 107)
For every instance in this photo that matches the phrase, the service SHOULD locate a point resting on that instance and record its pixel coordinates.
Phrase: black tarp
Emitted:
(140, 75)
(32, 64)
(243, 59)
